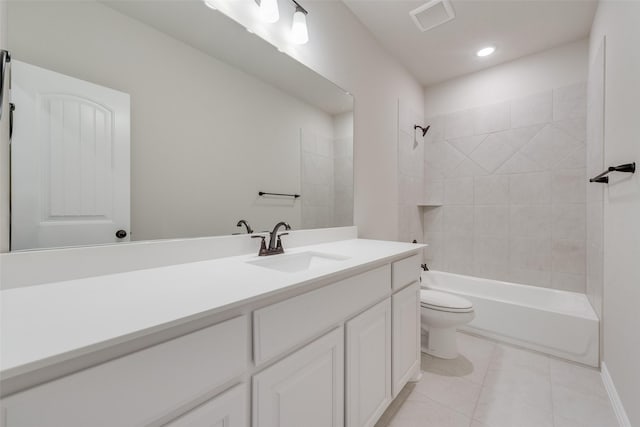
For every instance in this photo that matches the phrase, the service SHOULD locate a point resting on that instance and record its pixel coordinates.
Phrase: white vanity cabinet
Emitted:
(139, 388)
(405, 306)
(332, 356)
(304, 389)
(229, 409)
(368, 365)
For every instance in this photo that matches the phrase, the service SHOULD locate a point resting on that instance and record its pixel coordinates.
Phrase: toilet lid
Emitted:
(444, 302)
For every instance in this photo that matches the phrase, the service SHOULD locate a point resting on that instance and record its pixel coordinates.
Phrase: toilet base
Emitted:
(441, 342)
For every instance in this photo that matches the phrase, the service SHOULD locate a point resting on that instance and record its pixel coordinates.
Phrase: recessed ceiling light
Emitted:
(486, 51)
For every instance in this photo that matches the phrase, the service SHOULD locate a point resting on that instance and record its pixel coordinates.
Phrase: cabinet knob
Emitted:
(121, 234)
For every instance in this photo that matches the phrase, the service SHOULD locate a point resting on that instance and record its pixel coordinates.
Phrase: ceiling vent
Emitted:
(432, 14)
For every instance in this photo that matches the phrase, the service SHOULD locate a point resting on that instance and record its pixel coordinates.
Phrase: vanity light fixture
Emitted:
(486, 51)
(269, 12)
(210, 4)
(299, 31)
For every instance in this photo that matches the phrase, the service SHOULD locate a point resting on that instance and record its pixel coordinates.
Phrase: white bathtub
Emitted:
(558, 323)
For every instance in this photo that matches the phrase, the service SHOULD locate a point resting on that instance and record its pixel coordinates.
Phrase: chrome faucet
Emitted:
(275, 242)
(246, 224)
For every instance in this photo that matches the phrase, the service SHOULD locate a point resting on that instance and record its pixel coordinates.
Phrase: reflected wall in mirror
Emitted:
(164, 119)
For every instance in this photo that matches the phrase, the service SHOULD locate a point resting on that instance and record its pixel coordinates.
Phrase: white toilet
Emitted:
(441, 313)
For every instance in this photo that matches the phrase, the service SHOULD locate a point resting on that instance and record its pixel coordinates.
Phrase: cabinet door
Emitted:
(304, 389)
(228, 409)
(405, 307)
(368, 370)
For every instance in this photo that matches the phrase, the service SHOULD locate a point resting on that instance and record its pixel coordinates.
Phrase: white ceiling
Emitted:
(516, 27)
(210, 31)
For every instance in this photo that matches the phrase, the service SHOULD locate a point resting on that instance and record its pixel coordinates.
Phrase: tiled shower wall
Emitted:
(510, 179)
(410, 174)
(326, 180)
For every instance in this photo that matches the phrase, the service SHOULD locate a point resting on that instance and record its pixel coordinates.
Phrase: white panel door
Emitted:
(405, 306)
(368, 370)
(70, 160)
(306, 389)
(228, 409)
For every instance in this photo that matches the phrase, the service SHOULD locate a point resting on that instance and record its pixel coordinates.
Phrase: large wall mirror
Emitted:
(141, 120)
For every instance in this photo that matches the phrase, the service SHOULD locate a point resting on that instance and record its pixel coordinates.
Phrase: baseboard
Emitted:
(621, 414)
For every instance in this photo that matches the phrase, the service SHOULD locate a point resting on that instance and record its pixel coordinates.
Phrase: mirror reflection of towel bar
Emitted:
(263, 193)
(604, 179)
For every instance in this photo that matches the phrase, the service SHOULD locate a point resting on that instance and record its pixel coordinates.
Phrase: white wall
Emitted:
(618, 21)
(560, 66)
(205, 136)
(342, 49)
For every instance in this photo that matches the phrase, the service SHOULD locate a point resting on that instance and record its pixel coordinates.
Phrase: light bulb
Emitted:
(486, 51)
(299, 32)
(269, 11)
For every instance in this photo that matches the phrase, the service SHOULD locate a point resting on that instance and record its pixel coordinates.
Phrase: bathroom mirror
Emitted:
(140, 120)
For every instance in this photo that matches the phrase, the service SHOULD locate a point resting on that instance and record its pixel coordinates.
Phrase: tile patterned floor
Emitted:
(496, 385)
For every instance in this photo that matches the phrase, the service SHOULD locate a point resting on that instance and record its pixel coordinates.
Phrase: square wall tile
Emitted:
(530, 221)
(569, 256)
(433, 219)
(458, 191)
(530, 277)
(519, 163)
(491, 220)
(458, 220)
(574, 127)
(467, 169)
(569, 221)
(443, 155)
(530, 253)
(459, 124)
(532, 110)
(468, 143)
(434, 252)
(493, 151)
(433, 191)
(570, 102)
(491, 118)
(569, 282)
(569, 186)
(550, 147)
(491, 257)
(491, 190)
(458, 253)
(530, 188)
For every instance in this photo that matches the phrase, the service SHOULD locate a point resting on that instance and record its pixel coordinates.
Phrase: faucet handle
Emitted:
(263, 245)
(279, 243)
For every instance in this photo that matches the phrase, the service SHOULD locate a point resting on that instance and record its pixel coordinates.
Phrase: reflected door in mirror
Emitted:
(70, 161)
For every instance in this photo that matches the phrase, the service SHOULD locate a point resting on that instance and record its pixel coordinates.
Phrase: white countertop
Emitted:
(46, 324)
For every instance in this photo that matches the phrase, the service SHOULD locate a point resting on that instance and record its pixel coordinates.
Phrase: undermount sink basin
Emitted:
(292, 263)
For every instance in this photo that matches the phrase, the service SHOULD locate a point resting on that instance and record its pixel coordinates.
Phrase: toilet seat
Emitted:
(442, 301)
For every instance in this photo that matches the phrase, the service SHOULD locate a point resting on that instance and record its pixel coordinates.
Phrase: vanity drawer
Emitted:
(405, 271)
(140, 387)
(284, 325)
(229, 409)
